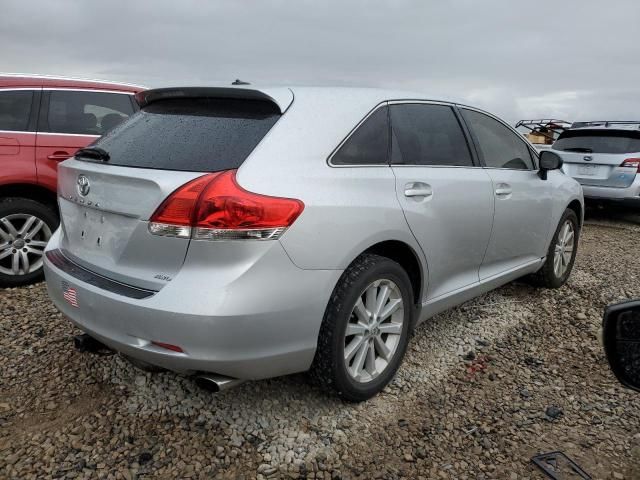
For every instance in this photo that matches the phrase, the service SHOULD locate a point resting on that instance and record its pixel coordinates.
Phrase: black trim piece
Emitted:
(43, 122)
(35, 110)
(57, 258)
(475, 156)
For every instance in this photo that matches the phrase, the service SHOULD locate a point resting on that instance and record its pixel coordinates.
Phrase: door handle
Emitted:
(503, 189)
(417, 189)
(59, 156)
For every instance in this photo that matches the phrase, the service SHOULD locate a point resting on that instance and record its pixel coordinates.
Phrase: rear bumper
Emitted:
(629, 195)
(250, 322)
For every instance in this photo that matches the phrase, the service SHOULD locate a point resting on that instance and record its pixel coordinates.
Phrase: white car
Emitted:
(605, 158)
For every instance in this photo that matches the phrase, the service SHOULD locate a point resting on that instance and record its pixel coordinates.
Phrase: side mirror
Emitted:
(621, 339)
(549, 161)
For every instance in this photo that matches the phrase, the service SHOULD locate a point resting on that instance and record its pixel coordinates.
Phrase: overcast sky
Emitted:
(572, 59)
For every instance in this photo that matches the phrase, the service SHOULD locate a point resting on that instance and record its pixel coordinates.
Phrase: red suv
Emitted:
(44, 120)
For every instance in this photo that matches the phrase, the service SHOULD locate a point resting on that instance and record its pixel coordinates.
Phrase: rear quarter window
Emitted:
(368, 144)
(599, 141)
(195, 134)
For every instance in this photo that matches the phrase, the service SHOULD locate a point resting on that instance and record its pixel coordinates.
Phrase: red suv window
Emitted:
(15, 108)
(87, 113)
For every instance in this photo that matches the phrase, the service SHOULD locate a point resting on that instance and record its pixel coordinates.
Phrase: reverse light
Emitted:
(632, 162)
(215, 207)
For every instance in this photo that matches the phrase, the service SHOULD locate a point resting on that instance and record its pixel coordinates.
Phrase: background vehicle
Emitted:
(605, 158)
(621, 339)
(44, 120)
(543, 132)
(240, 234)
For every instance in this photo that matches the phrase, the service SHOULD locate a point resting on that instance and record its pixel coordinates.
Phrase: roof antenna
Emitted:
(237, 81)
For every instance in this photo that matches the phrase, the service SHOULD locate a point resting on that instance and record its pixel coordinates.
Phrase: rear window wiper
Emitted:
(94, 153)
(578, 149)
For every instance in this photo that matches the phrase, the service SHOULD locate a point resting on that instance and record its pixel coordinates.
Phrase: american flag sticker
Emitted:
(70, 294)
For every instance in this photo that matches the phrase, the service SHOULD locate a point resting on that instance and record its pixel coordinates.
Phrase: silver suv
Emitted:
(236, 233)
(605, 158)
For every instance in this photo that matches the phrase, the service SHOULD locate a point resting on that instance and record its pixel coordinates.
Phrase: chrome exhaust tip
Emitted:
(216, 383)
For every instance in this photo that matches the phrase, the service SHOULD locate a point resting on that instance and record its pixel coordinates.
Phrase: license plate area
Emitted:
(91, 227)
(588, 170)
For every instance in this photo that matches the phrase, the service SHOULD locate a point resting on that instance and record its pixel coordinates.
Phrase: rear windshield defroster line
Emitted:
(190, 134)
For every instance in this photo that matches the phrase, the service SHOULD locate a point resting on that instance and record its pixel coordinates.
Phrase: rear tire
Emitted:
(559, 262)
(25, 227)
(374, 301)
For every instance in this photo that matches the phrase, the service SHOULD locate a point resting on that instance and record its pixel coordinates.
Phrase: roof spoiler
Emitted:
(150, 96)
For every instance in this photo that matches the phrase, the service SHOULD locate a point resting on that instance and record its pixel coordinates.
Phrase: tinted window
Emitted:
(87, 113)
(428, 135)
(200, 135)
(599, 141)
(369, 144)
(499, 146)
(15, 108)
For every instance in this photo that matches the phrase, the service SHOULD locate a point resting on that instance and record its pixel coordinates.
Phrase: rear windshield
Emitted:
(198, 135)
(599, 141)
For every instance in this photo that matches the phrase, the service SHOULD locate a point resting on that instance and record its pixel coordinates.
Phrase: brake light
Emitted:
(215, 207)
(632, 162)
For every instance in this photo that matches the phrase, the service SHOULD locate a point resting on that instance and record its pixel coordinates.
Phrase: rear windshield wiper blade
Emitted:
(578, 149)
(94, 153)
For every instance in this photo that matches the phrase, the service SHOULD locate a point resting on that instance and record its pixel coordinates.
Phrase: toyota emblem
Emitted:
(83, 185)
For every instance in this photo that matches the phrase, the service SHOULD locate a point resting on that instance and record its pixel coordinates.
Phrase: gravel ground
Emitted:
(483, 388)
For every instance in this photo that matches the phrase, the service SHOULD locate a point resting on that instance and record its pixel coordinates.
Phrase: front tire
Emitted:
(365, 329)
(561, 254)
(25, 229)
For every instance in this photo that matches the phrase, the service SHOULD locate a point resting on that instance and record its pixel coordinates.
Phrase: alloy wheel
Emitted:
(22, 241)
(564, 249)
(374, 330)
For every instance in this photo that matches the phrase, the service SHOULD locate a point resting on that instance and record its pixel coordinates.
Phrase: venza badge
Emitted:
(83, 185)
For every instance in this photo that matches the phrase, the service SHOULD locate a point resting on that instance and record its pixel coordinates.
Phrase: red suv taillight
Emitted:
(632, 162)
(215, 207)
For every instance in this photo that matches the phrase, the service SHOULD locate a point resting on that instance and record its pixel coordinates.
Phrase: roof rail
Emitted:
(605, 123)
(59, 77)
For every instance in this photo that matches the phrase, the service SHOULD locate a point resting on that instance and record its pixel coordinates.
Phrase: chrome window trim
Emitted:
(9, 89)
(17, 131)
(70, 134)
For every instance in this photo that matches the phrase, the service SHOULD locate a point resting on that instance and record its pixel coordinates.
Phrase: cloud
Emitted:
(517, 59)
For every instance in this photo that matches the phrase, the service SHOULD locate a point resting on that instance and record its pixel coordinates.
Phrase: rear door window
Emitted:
(428, 134)
(369, 144)
(599, 141)
(498, 145)
(15, 109)
(193, 134)
(86, 113)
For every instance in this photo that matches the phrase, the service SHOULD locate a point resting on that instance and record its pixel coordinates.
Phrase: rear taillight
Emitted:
(632, 162)
(215, 207)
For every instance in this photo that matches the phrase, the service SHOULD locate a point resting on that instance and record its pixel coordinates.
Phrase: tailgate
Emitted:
(598, 169)
(105, 230)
